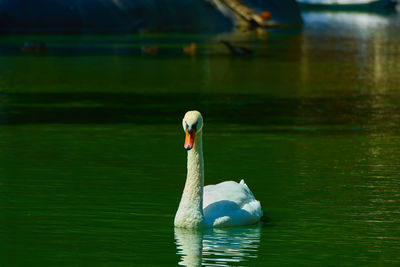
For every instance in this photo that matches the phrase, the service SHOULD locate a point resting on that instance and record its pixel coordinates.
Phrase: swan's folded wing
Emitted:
(229, 190)
(230, 203)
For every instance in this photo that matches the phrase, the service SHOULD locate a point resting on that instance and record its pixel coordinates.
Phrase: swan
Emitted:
(222, 205)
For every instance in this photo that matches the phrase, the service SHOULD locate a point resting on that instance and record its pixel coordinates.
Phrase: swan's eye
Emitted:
(190, 128)
(193, 128)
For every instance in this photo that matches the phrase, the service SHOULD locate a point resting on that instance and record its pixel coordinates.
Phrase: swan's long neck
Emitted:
(190, 211)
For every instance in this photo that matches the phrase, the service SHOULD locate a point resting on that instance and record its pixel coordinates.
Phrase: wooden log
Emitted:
(244, 12)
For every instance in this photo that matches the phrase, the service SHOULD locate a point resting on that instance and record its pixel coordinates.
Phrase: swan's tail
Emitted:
(253, 206)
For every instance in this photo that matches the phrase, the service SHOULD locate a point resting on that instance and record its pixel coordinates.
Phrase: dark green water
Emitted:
(93, 166)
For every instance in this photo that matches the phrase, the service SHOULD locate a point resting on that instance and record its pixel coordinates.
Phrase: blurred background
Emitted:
(301, 99)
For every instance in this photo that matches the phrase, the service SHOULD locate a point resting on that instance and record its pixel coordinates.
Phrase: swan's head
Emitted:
(192, 123)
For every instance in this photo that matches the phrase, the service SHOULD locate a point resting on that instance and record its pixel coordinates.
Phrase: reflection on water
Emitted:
(356, 21)
(217, 247)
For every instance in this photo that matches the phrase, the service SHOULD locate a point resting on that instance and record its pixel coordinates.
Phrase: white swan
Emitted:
(221, 205)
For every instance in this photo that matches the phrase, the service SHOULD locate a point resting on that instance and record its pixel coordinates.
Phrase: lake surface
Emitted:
(92, 159)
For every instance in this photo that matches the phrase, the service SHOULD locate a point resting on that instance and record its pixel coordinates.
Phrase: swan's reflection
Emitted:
(217, 247)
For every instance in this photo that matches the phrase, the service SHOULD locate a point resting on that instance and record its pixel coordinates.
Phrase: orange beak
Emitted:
(189, 140)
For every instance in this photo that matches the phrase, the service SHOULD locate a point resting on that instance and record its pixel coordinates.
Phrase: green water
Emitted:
(92, 159)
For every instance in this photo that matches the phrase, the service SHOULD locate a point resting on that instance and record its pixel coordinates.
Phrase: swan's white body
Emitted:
(230, 204)
(221, 205)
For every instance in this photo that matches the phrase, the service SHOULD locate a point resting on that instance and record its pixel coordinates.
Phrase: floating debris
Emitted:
(238, 50)
(190, 50)
(34, 48)
(149, 49)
